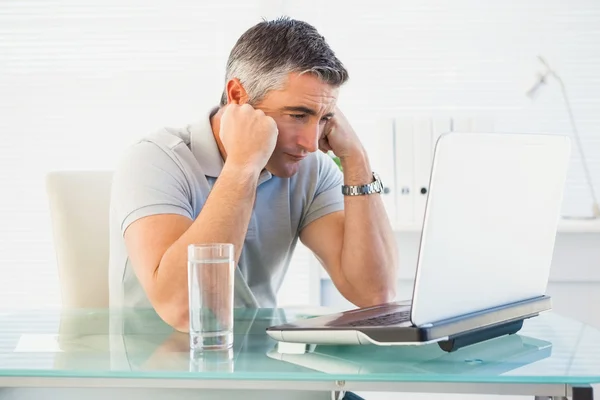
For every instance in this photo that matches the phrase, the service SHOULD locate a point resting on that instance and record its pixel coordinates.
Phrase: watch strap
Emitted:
(358, 190)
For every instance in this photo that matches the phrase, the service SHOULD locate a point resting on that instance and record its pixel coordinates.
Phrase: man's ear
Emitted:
(236, 94)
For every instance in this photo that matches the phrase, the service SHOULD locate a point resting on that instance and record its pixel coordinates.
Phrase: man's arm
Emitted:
(157, 244)
(356, 246)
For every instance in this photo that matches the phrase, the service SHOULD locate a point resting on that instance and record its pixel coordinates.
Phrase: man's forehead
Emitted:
(310, 109)
(311, 88)
(311, 103)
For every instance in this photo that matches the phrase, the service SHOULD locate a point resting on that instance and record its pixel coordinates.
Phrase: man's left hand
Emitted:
(339, 137)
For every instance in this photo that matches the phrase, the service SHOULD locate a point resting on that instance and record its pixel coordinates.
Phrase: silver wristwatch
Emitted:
(374, 187)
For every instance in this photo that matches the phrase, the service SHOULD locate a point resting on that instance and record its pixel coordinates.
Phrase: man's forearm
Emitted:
(226, 215)
(369, 255)
(224, 219)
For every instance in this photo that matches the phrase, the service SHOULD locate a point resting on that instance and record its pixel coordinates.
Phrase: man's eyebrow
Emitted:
(305, 110)
(301, 109)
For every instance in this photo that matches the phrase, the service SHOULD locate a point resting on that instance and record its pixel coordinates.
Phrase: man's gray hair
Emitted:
(267, 53)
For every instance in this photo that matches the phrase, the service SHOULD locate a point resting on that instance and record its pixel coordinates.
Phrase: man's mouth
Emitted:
(295, 157)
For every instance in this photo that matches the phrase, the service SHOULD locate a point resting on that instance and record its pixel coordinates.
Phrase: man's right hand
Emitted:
(248, 135)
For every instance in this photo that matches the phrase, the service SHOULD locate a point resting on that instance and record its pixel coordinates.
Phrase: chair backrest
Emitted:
(79, 209)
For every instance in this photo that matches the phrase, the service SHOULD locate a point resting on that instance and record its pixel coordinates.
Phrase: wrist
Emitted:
(242, 170)
(353, 155)
(357, 169)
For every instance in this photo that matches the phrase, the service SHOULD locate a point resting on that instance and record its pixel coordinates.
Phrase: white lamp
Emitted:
(531, 93)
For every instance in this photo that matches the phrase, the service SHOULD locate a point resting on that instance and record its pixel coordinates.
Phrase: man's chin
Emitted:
(284, 171)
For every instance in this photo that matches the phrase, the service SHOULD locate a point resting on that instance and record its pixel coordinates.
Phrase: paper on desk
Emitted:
(38, 343)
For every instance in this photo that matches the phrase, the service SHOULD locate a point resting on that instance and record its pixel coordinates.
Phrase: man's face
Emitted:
(301, 110)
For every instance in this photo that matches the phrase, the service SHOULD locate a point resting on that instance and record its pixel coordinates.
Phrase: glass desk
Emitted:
(134, 350)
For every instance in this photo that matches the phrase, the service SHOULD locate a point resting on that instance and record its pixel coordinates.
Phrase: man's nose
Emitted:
(308, 139)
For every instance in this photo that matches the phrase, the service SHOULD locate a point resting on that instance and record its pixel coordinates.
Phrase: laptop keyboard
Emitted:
(384, 320)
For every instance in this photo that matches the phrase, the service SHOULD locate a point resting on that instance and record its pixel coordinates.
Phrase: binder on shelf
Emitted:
(482, 125)
(423, 159)
(440, 125)
(415, 140)
(383, 162)
(466, 124)
(403, 128)
(461, 124)
(377, 137)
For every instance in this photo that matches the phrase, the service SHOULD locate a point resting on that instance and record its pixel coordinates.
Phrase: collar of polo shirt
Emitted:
(205, 150)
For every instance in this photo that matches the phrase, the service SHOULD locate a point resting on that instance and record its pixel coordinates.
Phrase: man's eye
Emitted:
(298, 116)
(325, 120)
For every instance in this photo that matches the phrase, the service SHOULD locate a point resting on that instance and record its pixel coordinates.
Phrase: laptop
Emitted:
(485, 251)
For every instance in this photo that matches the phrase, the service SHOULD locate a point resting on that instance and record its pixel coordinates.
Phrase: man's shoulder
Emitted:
(168, 139)
(163, 147)
(155, 159)
(153, 176)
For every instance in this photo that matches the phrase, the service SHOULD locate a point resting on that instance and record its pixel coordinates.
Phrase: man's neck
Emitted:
(215, 124)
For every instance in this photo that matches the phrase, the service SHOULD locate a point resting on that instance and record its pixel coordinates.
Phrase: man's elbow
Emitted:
(177, 319)
(375, 298)
(384, 291)
(174, 313)
(171, 305)
(383, 296)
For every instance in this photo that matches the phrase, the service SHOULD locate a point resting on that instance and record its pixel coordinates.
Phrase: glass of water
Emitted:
(210, 288)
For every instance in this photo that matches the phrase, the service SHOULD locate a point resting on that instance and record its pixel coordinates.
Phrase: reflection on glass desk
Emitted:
(134, 344)
(492, 357)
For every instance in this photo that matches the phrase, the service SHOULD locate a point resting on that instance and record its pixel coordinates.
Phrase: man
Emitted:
(249, 173)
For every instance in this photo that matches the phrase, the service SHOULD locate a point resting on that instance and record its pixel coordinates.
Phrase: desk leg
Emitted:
(583, 393)
(578, 393)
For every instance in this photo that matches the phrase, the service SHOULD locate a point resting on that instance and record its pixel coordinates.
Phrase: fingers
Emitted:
(272, 122)
(324, 139)
(324, 145)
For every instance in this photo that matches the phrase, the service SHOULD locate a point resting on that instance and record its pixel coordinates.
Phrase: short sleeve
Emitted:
(328, 197)
(149, 181)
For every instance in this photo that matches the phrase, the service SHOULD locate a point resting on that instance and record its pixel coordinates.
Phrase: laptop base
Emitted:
(481, 335)
(451, 334)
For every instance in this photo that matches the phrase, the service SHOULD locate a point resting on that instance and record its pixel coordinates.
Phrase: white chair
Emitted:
(79, 210)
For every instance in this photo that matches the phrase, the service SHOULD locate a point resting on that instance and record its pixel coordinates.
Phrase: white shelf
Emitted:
(565, 225)
(579, 225)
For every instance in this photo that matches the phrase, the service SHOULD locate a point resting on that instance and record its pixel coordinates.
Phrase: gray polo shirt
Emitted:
(172, 172)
